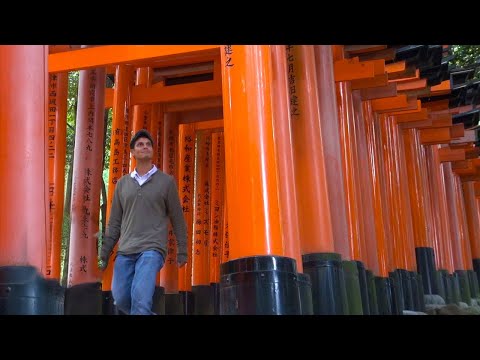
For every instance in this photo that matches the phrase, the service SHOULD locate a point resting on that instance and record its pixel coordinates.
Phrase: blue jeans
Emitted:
(134, 279)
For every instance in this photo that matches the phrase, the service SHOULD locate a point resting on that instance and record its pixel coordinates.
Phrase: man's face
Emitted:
(143, 149)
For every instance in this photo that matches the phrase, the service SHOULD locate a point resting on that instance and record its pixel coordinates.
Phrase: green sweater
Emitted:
(139, 216)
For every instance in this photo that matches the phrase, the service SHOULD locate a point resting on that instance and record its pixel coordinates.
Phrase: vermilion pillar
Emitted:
(456, 236)
(57, 133)
(117, 167)
(320, 261)
(217, 186)
(141, 113)
(24, 200)
(286, 173)
(473, 221)
(256, 248)
(84, 295)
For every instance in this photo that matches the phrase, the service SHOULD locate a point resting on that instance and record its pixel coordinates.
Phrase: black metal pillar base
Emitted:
(108, 306)
(23, 291)
(464, 285)
(84, 299)
(173, 304)
(188, 301)
(352, 288)
(158, 306)
(383, 289)
(259, 285)
(398, 304)
(442, 290)
(305, 294)
(447, 286)
(329, 296)
(216, 297)
(476, 268)
(472, 277)
(426, 267)
(456, 288)
(408, 300)
(204, 300)
(417, 289)
(55, 297)
(372, 293)
(362, 279)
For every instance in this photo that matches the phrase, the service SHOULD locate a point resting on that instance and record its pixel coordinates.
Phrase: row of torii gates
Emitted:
(324, 179)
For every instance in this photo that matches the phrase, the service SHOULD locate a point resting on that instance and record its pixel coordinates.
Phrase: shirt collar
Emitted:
(149, 173)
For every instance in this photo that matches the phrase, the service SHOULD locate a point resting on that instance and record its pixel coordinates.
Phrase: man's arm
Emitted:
(112, 233)
(175, 213)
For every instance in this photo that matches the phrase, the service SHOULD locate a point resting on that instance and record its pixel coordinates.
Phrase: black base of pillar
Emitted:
(442, 290)
(398, 304)
(447, 286)
(476, 268)
(84, 299)
(204, 300)
(456, 288)
(426, 267)
(158, 306)
(23, 291)
(417, 290)
(305, 294)
(372, 293)
(383, 289)
(328, 286)
(173, 304)
(408, 299)
(352, 288)
(464, 285)
(472, 277)
(362, 279)
(188, 302)
(108, 307)
(259, 285)
(216, 298)
(55, 297)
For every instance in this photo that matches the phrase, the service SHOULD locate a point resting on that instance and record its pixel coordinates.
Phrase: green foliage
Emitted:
(466, 55)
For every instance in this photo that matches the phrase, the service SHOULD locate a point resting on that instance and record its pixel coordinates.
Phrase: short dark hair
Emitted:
(140, 133)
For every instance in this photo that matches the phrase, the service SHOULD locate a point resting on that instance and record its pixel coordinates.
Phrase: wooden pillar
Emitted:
(57, 138)
(118, 147)
(252, 186)
(84, 294)
(24, 213)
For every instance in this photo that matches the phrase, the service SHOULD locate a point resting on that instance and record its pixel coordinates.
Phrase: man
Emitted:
(143, 203)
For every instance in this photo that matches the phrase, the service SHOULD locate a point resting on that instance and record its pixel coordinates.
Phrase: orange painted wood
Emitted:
(447, 154)
(284, 155)
(169, 277)
(57, 134)
(201, 211)
(352, 69)
(315, 222)
(217, 185)
(137, 55)
(252, 185)
(87, 170)
(330, 131)
(378, 92)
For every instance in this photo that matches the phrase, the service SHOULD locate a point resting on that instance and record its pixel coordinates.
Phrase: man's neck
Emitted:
(143, 167)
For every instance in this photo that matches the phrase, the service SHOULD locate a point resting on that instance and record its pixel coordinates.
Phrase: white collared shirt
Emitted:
(142, 179)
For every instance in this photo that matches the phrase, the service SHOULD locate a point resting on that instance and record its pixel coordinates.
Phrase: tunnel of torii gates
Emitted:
(319, 179)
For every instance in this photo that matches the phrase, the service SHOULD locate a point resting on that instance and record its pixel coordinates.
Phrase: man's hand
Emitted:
(181, 259)
(102, 264)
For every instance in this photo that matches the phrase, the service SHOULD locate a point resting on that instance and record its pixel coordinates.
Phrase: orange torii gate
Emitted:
(338, 203)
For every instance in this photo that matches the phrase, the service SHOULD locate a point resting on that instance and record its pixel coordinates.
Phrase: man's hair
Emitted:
(140, 133)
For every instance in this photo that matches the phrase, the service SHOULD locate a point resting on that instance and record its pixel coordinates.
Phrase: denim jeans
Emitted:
(134, 279)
